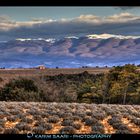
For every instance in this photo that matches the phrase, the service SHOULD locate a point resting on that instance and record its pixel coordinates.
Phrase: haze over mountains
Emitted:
(88, 50)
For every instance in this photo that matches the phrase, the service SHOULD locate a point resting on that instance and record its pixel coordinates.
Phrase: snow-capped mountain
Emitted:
(71, 51)
(106, 36)
(51, 40)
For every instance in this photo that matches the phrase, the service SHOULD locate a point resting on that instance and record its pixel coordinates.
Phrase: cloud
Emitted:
(88, 18)
(6, 23)
(127, 7)
(123, 23)
(5, 19)
(116, 18)
(122, 17)
(93, 19)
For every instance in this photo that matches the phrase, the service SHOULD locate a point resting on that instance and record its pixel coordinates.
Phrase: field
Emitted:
(8, 74)
(50, 71)
(70, 118)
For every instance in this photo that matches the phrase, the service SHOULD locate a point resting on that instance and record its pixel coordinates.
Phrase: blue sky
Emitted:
(26, 13)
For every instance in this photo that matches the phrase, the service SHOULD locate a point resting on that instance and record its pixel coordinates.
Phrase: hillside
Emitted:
(90, 50)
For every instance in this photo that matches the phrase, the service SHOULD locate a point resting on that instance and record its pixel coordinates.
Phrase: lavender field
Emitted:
(68, 118)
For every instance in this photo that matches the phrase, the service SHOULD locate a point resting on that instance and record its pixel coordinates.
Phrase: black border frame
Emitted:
(113, 137)
(70, 3)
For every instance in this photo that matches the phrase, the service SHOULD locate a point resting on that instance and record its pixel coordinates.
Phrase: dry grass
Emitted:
(9, 124)
(9, 74)
(56, 128)
(107, 127)
(130, 125)
(52, 71)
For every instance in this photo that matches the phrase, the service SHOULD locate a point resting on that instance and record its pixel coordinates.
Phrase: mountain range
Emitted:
(89, 50)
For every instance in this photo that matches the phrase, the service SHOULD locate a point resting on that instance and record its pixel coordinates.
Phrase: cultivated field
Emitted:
(70, 118)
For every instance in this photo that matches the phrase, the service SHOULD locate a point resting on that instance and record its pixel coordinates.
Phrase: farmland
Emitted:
(69, 118)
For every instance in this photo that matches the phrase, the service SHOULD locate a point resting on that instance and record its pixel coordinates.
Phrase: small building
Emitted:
(41, 67)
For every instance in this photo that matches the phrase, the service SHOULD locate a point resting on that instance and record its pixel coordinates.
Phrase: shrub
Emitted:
(27, 84)
(20, 90)
(53, 120)
(64, 115)
(1, 79)
(123, 127)
(2, 122)
(1, 130)
(125, 115)
(39, 123)
(76, 118)
(123, 132)
(72, 106)
(11, 131)
(51, 112)
(84, 118)
(32, 112)
(48, 126)
(11, 118)
(98, 129)
(99, 116)
(136, 121)
(45, 115)
(109, 112)
(90, 122)
(67, 130)
(113, 120)
(137, 114)
(76, 126)
(67, 123)
(21, 116)
(88, 113)
(81, 115)
(23, 126)
(39, 130)
(2, 115)
(27, 120)
(14, 112)
(37, 117)
(119, 126)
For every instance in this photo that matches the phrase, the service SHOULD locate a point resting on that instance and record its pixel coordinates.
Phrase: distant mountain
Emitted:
(89, 50)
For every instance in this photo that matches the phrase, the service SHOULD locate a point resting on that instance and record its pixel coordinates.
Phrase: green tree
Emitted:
(123, 81)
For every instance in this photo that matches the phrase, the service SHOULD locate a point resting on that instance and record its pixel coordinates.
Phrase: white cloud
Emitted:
(89, 18)
(7, 23)
(122, 17)
(5, 18)
(123, 24)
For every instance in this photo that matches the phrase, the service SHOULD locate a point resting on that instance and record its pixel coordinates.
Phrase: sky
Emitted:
(35, 22)
(27, 13)
(59, 22)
